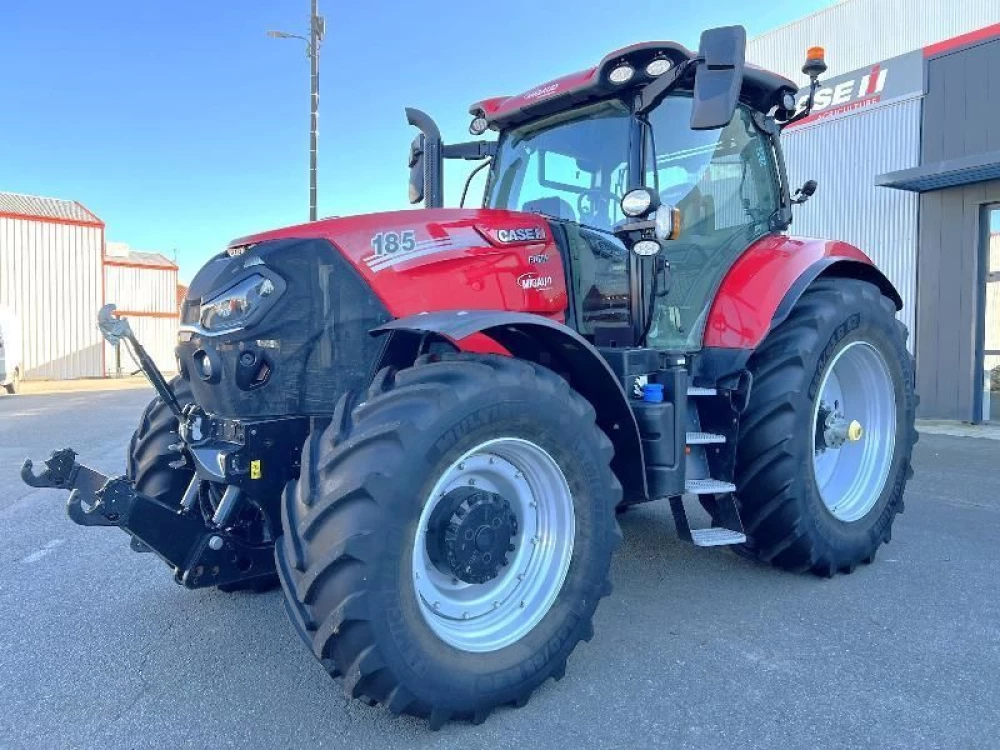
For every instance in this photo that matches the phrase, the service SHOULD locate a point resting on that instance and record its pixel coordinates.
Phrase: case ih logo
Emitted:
(534, 281)
(891, 80)
(849, 92)
(524, 234)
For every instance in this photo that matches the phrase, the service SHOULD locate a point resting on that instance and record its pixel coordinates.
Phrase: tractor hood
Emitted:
(444, 259)
(281, 322)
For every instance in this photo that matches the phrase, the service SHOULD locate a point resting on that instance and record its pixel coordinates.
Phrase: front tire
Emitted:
(362, 524)
(150, 454)
(825, 442)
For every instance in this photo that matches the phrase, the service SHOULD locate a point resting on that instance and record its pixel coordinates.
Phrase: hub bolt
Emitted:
(215, 543)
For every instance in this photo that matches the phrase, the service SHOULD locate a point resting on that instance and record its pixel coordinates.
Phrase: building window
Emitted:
(991, 327)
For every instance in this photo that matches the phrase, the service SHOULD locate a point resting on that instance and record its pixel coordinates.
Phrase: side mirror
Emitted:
(805, 192)
(719, 77)
(416, 164)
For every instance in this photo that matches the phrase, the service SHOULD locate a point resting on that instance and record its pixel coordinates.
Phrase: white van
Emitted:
(11, 362)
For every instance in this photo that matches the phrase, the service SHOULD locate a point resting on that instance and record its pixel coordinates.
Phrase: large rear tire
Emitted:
(825, 442)
(148, 466)
(372, 583)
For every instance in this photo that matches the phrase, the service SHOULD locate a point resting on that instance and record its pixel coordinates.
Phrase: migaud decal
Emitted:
(533, 281)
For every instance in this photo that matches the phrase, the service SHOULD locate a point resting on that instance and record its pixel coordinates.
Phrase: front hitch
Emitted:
(94, 500)
(199, 554)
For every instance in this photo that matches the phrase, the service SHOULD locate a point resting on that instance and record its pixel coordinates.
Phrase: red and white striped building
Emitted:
(57, 270)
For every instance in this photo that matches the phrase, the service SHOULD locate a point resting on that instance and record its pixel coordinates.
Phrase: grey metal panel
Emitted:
(950, 273)
(146, 295)
(50, 275)
(963, 97)
(856, 33)
(844, 156)
(942, 174)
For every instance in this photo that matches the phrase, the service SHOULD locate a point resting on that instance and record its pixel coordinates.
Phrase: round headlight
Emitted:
(636, 202)
(622, 74)
(479, 126)
(646, 248)
(658, 67)
(788, 101)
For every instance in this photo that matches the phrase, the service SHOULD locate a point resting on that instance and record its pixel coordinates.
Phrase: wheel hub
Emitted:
(470, 534)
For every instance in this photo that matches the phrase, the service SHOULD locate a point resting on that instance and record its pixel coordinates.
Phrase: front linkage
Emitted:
(247, 462)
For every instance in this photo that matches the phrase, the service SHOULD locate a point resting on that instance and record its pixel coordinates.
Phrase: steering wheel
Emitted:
(586, 201)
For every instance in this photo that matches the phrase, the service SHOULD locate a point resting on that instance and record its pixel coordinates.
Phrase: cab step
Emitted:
(725, 511)
(717, 537)
(708, 487)
(704, 438)
(694, 390)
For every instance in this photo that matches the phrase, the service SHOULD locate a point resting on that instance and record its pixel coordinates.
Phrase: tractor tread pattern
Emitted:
(371, 434)
(766, 469)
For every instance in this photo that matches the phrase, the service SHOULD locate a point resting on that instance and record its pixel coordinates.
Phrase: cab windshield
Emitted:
(571, 166)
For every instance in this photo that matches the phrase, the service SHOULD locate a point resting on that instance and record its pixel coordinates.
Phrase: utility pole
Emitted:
(317, 30)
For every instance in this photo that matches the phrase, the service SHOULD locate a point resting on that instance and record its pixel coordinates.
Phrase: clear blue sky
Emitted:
(181, 125)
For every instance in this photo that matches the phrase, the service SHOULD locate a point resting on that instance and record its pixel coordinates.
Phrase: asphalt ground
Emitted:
(695, 648)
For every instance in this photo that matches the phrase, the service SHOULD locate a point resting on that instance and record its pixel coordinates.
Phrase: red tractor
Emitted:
(424, 422)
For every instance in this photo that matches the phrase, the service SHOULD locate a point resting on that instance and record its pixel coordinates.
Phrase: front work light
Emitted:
(622, 74)
(479, 126)
(658, 67)
(639, 202)
(646, 248)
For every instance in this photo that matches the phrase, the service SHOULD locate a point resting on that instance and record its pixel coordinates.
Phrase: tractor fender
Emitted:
(556, 346)
(766, 281)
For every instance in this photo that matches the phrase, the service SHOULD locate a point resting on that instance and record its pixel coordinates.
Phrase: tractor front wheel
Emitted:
(825, 442)
(449, 538)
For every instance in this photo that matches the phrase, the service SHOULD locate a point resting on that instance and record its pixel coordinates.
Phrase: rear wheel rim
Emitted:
(492, 615)
(856, 405)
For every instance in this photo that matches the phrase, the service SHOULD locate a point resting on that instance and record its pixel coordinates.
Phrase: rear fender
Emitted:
(549, 343)
(762, 287)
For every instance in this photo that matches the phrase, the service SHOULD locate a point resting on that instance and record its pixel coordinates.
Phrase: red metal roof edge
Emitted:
(54, 219)
(962, 40)
(112, 261)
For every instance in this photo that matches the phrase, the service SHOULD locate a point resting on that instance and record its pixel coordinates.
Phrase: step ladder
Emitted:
(726, 511)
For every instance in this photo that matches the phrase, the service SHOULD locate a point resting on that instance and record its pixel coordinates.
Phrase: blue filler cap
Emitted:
(652, 392)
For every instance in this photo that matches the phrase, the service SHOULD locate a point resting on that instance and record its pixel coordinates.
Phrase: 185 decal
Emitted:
(389, 243)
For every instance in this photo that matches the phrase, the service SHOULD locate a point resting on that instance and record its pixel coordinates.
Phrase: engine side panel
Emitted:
(752, 291)
(448, 259)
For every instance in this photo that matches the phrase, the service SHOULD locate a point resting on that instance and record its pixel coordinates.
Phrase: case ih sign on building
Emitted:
(889, 81)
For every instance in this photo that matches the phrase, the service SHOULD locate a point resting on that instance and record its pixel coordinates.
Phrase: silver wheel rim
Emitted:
(493, 615)
(854, 431)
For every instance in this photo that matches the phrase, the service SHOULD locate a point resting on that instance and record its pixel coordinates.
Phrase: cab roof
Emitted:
(761, 90)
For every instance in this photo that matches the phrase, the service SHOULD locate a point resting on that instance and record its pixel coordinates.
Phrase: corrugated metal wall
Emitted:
(137, 290)
(50, 275)
(844, 155)
(857, 33)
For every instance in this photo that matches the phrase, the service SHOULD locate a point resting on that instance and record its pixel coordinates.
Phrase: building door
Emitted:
(991, 324)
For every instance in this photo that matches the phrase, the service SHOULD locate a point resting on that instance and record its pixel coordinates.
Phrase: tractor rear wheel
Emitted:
(825, 442)
(148, 466)
(449, 538)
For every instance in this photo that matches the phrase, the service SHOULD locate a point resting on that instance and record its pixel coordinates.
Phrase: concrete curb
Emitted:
(83, 385)
(959, 429)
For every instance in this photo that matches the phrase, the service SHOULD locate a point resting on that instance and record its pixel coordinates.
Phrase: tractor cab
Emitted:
(656, 169)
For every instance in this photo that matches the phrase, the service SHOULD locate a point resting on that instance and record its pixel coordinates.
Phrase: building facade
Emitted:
(56, 271)
(52, 279)
(904, 142)
(144, 288)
